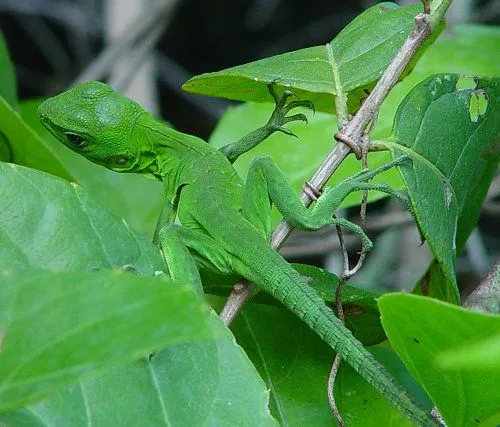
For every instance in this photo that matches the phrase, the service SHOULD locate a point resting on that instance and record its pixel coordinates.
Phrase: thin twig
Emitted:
(345, 276)
(331, 390)
(354, 130)
(340, 315)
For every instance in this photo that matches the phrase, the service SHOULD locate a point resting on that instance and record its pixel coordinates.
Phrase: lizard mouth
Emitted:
(47, 125)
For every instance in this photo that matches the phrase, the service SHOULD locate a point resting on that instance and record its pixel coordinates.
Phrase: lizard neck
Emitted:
(168, 155)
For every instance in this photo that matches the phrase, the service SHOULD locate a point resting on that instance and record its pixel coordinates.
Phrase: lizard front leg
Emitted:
(266, 183)
(276, 123)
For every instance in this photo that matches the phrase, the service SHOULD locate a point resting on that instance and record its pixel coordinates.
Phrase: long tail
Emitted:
(287, 286)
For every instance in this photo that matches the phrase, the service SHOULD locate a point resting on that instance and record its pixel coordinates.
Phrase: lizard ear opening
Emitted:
(121, 161)
(74, 139)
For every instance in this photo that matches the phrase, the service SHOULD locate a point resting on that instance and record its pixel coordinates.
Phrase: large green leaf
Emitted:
(351, 62)
(421, 328)
(452, 148)
(55, 225)
(203, 382)
(51, 224)
(23, 146)
(352, 391)
(483, 355)
(136, 199)
(58, 327)
(7, 76)
(295, 363)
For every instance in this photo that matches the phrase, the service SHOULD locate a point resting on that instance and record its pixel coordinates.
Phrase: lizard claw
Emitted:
(300, 116)
(282, 108)
(300, 103)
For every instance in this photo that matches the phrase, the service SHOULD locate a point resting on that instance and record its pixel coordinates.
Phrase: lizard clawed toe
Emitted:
(279, 116)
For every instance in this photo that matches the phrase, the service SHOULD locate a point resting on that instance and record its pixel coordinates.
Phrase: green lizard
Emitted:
(225, 224)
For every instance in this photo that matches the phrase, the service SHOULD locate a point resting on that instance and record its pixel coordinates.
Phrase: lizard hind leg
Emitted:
(266, 183)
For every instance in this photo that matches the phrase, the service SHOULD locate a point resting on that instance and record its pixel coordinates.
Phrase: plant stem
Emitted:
(346, 275)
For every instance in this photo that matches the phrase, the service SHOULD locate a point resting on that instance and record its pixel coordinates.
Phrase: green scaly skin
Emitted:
(225, 223)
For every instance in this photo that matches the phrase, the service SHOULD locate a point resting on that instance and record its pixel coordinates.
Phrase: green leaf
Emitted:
(453, 162)
(7, 76)
(136, 199)
(54, 225)
(351, 62)
(202, 382)
(67, 230)
(295, 363)
(58, 327)
(482, 355)
(421, 328)
(25, 147)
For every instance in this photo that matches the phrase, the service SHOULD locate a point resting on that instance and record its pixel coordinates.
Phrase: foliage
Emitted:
(84, 342)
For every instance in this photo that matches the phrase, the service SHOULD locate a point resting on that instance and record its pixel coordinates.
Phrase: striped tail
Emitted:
(277, 277)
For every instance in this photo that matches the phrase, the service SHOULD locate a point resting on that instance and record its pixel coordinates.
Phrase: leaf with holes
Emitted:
(424, 332)
(352, 62)
(59, 327)
(451, 135)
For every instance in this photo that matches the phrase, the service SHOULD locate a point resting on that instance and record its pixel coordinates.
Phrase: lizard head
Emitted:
(96, 122)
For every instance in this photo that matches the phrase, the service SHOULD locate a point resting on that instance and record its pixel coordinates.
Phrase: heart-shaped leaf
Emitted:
(55, 225)
(208, 381)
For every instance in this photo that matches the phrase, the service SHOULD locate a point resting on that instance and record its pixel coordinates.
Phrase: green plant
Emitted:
(64, 325)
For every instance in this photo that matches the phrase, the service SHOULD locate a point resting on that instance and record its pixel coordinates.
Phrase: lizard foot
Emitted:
(365, 175)
(279, 116)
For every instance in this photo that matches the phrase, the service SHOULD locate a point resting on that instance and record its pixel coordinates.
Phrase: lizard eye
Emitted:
(74, 139)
